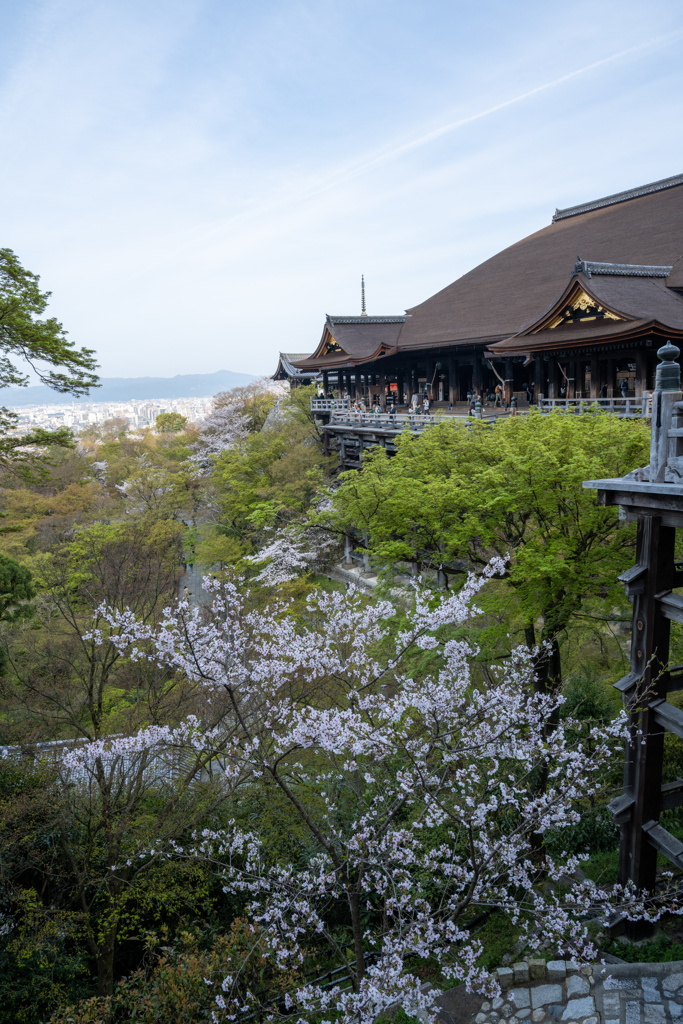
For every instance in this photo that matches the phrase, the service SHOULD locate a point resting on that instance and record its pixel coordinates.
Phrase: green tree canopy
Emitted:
(170, 422)
(40, 343)
(458, 494)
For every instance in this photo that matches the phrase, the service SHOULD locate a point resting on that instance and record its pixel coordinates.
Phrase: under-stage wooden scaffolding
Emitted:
(653, 498)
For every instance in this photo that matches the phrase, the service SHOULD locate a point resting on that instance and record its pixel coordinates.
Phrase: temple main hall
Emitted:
(575, 310)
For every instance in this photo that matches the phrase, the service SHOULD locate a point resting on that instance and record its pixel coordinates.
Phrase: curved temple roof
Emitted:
(632, 238)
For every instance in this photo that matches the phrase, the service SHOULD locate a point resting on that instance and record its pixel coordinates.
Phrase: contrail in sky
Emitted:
(398, 149)
(451, 126)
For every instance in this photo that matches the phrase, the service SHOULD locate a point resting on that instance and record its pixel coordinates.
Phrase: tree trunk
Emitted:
(357, 928)
(105, 964)
(549, 664)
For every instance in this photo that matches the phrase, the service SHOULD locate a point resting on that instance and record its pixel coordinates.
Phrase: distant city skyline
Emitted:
(199, 182)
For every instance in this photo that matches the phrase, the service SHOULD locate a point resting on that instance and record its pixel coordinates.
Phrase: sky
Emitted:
(198, 182)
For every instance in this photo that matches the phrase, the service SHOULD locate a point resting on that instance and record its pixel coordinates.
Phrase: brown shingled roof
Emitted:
(500, 297)
(360, 338)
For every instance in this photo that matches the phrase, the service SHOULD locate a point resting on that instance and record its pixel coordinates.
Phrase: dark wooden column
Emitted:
(641, 371)
(452, 391)
(595, 377)
(553, 374)
(571, 373)
(476, 373)
(509, 383)
(429, 374)
(611, 368)
(326, 384)
(539, 377)
(649, 662)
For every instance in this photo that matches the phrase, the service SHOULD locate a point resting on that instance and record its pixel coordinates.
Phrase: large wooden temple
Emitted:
(576, 310)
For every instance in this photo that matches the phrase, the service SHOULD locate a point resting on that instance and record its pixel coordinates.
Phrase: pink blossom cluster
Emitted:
(221, 430)
(418, 792)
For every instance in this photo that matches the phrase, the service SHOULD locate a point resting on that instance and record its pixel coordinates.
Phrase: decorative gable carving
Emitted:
(581, 308)
(331, 345)
(578, 307)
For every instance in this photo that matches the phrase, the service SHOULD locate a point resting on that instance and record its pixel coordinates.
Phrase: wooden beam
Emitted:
(669, 717)
(664, 842)
(672, 795)
(671, 606)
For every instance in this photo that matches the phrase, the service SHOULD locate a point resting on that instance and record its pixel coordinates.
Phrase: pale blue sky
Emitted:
(200, 181)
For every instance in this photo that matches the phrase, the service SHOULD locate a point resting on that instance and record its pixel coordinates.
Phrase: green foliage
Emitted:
(183, 984)
(16, 590)
(37, 341)
(459, 494)
(662, 950)
(170, 422)
(268, 479)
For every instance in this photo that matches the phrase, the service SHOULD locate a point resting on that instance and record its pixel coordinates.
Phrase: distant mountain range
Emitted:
(123, 389)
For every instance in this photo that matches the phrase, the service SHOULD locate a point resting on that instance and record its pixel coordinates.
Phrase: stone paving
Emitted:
(562, 992)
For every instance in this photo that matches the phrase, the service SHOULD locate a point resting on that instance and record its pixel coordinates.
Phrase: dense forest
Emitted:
(229, 778)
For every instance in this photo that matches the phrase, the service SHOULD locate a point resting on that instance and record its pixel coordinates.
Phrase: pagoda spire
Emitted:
(363, 311)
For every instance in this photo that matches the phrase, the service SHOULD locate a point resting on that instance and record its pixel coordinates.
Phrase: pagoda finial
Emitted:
(363, 311)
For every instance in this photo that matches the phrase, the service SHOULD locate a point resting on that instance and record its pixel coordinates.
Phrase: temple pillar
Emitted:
(571, 382)
(595, 377)
(476, 373)
(382, 381)
(326, 384)
(539, 377)
(412, 388)
(611, 367)
(553, 382)
(429, 375)
(452, 393)
(509, 381)
(641, 372)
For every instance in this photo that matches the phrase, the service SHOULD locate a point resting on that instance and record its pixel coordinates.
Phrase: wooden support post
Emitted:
(539, 377)
(553, 372)
(644, 751)
(452, 392)
(595, 377)
(509, 382)
(571, 374)
(641, 372)
(429, 375)
(476, 373)
(611, 387)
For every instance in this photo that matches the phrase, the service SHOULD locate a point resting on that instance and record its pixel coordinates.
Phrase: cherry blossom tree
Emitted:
(416, 792)
(220, 430)
(292, 551)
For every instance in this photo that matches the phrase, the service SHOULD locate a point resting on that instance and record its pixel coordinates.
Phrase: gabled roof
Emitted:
(351, 340)
(286, 368)
(642, 228)
(615, 306)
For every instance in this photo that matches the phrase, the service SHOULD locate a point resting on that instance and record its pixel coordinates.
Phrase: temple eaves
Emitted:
(619, 197)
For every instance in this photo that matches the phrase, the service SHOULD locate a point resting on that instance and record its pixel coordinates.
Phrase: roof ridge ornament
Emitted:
(591, 267)
(363, 311)
(619, 197)
(668, 377)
